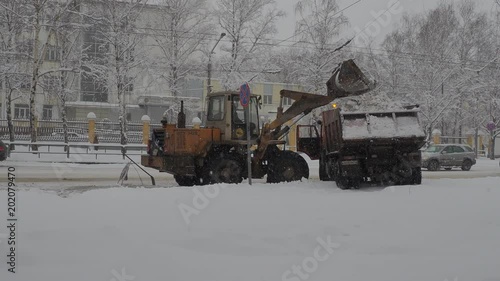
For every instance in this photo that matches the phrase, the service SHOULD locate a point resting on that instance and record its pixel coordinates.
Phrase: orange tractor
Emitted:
(217, 152)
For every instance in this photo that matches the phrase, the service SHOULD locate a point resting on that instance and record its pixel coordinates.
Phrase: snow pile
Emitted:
(381, 127)
(370, 102)
(409, 126)
(355, 128)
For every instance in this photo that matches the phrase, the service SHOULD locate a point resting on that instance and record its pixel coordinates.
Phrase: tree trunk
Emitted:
(492, 146)
(64, 121)
(476, 141)
(10, 125)
(122, 118)
(32, 110)
(34, 77)
(429, 132)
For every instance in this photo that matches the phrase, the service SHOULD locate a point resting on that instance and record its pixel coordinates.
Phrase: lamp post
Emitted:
(209, 73)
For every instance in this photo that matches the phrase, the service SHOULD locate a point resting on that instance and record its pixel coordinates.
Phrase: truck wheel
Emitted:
(433, 165)
(322, 169)
(342, 183)
(225, 170)
(416, 177)
(185, 180)
(286, 167)
(466, 165)
(348, 183)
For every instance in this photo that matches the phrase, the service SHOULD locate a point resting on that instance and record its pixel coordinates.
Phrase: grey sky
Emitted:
(365, 12)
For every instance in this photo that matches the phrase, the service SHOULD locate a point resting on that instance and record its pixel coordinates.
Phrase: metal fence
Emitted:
(81, 149)
(52, 130)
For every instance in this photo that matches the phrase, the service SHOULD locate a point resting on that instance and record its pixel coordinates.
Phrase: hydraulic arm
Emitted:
(347, 80)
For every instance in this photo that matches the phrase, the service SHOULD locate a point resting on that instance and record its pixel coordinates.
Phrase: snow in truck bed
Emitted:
(381, 127)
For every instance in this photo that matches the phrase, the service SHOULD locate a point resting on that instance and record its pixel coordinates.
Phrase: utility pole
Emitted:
(209, 75)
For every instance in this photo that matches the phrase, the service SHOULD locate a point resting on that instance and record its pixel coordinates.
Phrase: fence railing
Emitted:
(54, 148)
(52, 130)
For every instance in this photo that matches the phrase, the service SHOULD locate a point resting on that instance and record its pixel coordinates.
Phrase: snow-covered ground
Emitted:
(76, 223)
(446, 229)
(106, 169)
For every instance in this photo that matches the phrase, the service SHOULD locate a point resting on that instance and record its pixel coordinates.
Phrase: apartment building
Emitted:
(145, 92)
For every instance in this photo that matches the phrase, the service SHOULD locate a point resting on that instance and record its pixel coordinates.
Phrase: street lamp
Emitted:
(209, 73)
(209, 68)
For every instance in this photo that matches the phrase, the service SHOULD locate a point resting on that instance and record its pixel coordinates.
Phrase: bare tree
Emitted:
(45, 14)
(432, 60)
(180, 32)
(319, 26)
(67, 51)
(14, 61)
(248, 25)
(118, 57)
(38, 18)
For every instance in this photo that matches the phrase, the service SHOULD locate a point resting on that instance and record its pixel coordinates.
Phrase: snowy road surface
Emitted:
(108, 174)
(85, 227)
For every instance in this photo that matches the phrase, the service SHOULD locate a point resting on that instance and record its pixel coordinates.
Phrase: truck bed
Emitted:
(397, 129)
(390, 125)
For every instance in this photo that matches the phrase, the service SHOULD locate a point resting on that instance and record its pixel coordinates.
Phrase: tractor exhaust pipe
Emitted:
(348, 80)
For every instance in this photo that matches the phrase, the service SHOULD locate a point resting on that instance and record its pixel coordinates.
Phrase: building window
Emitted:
(53, 53)
(128, 88)
(21, 111)
(50, 84)
(268, 99)
(25, 47)
(287, 101)
(94, 46)
(268, 94)
(129, 55)
(92, 90)
(24, 85)
(47, 112)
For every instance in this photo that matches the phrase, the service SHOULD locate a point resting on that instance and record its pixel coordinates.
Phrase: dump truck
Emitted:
(356, 147)
(217, 152)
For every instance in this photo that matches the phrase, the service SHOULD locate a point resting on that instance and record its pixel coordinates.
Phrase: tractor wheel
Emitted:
(225, 170)
(185, 180)
(466, 165)
(287, 166)
(433, 166)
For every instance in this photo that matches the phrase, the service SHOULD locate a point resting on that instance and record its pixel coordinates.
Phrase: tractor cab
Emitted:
(225, 112)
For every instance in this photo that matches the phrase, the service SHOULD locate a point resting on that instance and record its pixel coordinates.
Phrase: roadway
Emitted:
(71, 174)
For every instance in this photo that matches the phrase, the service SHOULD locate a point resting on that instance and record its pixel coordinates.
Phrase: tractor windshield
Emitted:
(239, 119)
(216, 108)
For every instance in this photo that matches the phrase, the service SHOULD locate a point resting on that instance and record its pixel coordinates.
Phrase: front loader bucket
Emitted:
(348, 80)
